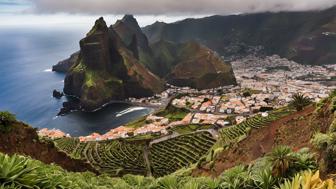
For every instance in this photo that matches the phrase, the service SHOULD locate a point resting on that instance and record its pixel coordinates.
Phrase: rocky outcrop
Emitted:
(57, 94)
(65, 65)
(117, 62)
(107, 70)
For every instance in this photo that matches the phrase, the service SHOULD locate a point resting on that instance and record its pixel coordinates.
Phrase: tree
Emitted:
(6, 119)
(300, 101)
(281, 159)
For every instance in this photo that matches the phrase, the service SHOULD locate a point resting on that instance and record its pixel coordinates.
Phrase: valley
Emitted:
(242, 101)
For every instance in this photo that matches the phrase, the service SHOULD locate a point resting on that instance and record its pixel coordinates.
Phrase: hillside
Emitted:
(191, 64)
(306, 37)
(261, 151)
(22, 139)
(208, 151)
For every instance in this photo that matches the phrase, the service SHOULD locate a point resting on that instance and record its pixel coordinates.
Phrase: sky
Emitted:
(83, 12)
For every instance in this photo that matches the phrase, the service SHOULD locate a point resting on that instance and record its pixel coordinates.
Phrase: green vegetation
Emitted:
(249, 92)
(6, 119)
(236, 133)
(277, 68)
(170, 155)
(115, 157)
(184, 129)
(326, 142)
(23, 172)
(120, 157)
(173, 113)
(137, 123)
(300, 101)
(306, 180)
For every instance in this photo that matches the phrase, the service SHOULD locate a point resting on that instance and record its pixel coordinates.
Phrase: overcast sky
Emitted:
(179, 7)
(146, 11)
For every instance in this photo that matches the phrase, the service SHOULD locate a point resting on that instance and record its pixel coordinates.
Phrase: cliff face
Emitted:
(191, 64)
(306, 37)
(106, 70)
(186, 64)
(65, 65)
(118, 62)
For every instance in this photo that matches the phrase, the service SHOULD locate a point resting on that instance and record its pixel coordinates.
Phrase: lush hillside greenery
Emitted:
(183, 151)
(307, 37)
(191, 64)
(22, 172)
(168, 162)
(120, 157)
(231, 135)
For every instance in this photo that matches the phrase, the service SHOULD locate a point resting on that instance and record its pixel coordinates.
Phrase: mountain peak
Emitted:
(100, 26)
(128, 17)
(130, 21)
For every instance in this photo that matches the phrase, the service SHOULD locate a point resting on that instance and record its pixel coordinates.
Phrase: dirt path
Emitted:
(148, 164)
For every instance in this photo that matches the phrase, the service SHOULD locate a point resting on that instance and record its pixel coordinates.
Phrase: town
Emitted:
(263, 84)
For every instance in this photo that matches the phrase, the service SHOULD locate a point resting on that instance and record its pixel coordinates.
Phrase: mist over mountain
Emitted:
(306, 37)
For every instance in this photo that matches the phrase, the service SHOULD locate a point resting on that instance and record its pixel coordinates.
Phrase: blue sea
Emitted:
(26, 82)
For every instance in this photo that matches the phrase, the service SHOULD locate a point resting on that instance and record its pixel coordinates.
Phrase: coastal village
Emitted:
(263, 84)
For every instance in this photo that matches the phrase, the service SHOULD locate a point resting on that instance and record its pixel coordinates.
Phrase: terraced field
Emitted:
(159, 157)
(240, 131)
(113, 157)
(168, 156)
(117, 157)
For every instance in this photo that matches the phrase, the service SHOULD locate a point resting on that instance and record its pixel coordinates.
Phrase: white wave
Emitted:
(129, 110)
(47, 70)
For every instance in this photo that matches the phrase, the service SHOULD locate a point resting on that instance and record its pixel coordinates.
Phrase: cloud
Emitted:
(176, 7)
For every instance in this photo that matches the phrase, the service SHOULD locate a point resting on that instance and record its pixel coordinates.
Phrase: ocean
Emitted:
(27, 82)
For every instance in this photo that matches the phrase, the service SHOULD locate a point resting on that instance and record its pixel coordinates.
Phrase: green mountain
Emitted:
(107, 70)
(191, 64)
(306, 37)
(118, 62)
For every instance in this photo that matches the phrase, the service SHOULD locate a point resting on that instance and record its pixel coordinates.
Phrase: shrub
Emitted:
(333, 105)
(300, 101)
(320, 140)
(247, 93)
(282, 159)
(6, 119)
(236, 178)
(307, 179)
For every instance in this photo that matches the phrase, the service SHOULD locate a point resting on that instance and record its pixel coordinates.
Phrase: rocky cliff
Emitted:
(65, 65)
(106, 70)
(118, 62)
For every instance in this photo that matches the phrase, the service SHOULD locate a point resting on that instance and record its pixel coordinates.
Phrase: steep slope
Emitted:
(65, 65)
(23, 139)
(106, 70)
(191, 64)
(117, 62)
(306, 37)
(130, 32)
(188, 64)
(295, 130)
